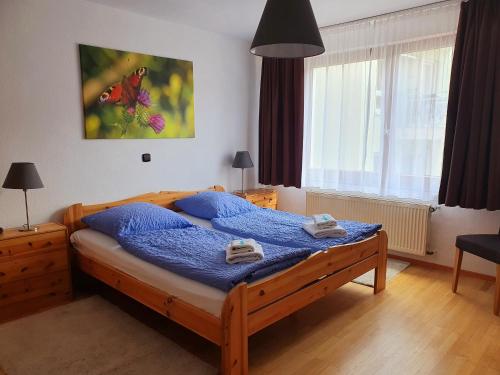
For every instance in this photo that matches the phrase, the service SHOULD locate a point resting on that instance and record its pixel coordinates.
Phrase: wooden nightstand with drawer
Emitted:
(34, 270)
(267, 198)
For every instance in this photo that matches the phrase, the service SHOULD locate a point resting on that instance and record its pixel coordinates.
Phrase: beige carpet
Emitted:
(394, 266)
(91, 336)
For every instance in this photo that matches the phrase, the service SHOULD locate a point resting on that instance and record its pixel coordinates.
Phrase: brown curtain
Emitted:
(471, 163)
(281, 121)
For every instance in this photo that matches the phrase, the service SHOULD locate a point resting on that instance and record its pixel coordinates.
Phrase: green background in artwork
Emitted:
(169, 83)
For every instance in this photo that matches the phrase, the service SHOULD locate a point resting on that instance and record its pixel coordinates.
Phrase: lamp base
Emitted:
(28, 228)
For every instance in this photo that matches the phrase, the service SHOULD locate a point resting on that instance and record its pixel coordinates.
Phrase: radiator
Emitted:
(406, 223)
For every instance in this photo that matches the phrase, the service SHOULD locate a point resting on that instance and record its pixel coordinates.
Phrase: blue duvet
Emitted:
(199, 254)
(285, 229)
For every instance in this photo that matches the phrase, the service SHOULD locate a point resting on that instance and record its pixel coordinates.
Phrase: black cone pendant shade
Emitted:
(287, 29)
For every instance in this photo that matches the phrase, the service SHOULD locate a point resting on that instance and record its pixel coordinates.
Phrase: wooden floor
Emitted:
(416, 326)
(420, 328)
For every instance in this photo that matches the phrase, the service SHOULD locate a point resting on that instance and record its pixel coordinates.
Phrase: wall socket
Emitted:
(146, 158)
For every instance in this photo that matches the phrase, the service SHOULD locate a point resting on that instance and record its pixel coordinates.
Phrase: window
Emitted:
(375, 116)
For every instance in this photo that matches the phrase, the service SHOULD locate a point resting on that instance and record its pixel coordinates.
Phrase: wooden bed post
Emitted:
(381, 270)
(72, 216)
(234, 346)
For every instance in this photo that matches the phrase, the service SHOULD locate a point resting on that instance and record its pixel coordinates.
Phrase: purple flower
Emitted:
(156, 122)
(143, 98)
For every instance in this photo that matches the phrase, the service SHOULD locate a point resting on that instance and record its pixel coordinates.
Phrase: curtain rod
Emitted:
(388, 13)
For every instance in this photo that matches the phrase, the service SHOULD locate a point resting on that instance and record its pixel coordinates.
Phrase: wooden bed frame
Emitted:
(247, 308)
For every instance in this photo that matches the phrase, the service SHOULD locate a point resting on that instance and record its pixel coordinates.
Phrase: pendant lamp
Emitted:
(287, 29)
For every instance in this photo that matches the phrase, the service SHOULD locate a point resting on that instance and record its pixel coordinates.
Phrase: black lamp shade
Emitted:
(242, 159)
(287, 29)
(22, 176)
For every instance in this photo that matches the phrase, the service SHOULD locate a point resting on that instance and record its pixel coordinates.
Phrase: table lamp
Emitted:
(242, 160)
(23, 176)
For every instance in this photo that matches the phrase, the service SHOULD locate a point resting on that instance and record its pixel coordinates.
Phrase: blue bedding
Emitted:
(199, 254)
(285, 229)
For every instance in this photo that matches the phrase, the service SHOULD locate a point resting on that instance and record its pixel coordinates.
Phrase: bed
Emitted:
(226, 319)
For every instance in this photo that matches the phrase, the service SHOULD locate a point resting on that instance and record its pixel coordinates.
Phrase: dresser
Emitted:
(267, 198)
(34, 270)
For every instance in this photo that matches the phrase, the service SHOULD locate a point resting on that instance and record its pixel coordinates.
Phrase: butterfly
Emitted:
(126, 91)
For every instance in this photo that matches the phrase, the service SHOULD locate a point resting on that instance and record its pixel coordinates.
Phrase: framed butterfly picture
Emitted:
(129, 95)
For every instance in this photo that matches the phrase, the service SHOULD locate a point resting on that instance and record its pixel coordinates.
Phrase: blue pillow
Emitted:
(212, 204)
(135, 218)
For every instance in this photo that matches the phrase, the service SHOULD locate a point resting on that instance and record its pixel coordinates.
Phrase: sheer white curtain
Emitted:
(375, 104)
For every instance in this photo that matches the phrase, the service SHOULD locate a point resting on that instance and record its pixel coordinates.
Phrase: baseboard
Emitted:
(436, 266)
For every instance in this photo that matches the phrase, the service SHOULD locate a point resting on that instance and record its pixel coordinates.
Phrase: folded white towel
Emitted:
(323, 221)
(336, 231)
(245, 257)
(243, 246)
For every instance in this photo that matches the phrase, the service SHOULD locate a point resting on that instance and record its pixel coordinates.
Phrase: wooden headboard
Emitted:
(74, 214)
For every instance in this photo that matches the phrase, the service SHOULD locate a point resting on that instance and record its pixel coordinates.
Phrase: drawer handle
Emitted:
(49, 265)
(24, 269)
(30, 244)
(2, 274)
(49, 243)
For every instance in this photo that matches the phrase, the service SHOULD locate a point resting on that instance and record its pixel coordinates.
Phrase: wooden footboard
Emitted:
(276, 297)
(248, 308)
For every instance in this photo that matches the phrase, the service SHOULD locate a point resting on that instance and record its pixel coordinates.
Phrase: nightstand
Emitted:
(34, 270)
(267, 198)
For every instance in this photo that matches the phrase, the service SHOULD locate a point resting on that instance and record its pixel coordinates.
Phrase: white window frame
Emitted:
(390, 54)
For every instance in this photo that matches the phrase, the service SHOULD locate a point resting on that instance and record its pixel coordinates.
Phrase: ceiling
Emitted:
(239, 18)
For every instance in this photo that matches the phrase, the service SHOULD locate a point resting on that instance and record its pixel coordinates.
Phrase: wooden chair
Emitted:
(486, 246)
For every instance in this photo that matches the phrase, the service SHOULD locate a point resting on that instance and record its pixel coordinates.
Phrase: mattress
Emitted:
(106, 250)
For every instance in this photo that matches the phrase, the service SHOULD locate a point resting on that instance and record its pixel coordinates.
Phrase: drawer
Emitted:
(268, 202)
(268, 196)
(262, 197)
(36, 265)
(32, 244)
(268, 205)
(21, 290)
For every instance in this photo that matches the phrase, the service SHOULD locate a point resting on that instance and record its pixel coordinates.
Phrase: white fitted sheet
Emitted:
(197, 221)
(106, 250)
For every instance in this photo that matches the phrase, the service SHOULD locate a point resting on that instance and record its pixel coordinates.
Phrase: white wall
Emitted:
(41, 107)
(446, 224)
